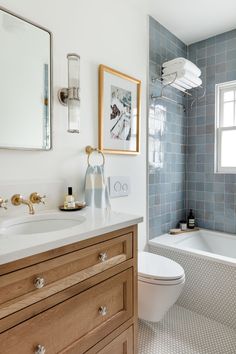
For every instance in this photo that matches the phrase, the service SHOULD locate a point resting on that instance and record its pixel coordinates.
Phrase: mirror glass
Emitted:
(25, 85)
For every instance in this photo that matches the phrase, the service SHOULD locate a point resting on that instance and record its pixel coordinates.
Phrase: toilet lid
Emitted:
(153, 266)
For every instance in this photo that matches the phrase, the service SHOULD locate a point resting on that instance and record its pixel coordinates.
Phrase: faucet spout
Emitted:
(30, 205)
(18, 199)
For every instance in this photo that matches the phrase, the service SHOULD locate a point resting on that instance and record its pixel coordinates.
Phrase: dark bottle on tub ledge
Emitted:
(191, 220)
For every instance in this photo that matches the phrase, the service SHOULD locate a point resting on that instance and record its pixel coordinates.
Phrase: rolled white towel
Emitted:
(174, 68)
(180, 64)
(184, 76)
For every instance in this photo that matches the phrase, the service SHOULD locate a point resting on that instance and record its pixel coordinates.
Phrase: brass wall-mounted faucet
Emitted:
(18, 199)
(35, 198)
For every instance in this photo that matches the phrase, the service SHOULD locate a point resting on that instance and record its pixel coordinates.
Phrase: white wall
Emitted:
(114, 33)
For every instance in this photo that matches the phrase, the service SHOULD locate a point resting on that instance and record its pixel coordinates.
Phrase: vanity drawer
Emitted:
(84, 263)
(78, 323)
(123, 344)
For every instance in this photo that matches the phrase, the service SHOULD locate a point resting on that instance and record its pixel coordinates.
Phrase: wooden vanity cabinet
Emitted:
(80, 298)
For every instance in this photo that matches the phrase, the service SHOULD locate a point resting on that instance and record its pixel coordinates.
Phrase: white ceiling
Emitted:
(194, 20)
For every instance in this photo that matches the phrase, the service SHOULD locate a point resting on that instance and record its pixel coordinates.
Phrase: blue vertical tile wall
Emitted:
(167, 138)
(181, 145)
(211, 195)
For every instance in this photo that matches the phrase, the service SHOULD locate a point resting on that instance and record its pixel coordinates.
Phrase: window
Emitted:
(225, 138)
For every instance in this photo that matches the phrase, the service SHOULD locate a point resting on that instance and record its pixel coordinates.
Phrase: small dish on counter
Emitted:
(78, 206)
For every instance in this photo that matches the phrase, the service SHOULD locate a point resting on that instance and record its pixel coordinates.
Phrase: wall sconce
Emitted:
(70, 96)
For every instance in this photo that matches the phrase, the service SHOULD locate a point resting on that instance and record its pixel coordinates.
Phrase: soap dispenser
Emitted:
(69, 202)
(191, 220)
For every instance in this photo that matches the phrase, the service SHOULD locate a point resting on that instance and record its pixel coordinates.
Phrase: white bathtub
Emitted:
(209, 260)
(205, 243)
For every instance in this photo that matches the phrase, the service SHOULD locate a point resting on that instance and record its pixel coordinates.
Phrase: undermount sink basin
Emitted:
(35, 224)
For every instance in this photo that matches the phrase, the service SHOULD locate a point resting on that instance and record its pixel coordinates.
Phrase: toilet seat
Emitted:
(161, 282)
(155, 269)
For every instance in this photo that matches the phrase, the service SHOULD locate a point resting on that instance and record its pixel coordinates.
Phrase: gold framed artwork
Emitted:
(119, 112)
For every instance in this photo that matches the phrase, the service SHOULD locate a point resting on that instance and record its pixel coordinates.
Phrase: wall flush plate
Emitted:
(119, 186)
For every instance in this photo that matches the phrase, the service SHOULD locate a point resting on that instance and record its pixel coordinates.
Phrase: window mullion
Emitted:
(234, 108)
(221, 109)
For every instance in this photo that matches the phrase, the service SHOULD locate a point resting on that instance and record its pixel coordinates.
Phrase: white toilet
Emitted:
(160, 282)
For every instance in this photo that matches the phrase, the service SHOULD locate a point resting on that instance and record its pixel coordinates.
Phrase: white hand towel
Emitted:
(184, 76)
(180, 64)
(96, 191)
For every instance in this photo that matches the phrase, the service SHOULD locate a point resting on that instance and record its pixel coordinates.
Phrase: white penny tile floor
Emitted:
(185, 332)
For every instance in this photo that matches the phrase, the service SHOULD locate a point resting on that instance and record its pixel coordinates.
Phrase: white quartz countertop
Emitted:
(95, 222)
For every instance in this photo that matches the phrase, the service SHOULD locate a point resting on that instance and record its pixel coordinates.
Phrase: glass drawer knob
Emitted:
(40, 349)
(39, 283)
(103, 256)
(102, 310)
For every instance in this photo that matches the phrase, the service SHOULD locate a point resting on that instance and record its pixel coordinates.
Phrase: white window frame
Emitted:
(219, 90)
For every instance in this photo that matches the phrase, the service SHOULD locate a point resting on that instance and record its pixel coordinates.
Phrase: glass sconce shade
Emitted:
(70, 96)
(73, 70)
(73, 93)
(73, 115)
